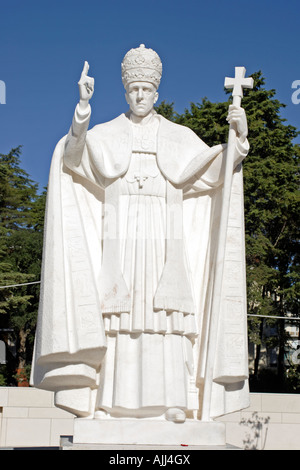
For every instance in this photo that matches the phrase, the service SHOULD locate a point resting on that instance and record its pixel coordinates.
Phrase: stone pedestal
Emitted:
(139, 432)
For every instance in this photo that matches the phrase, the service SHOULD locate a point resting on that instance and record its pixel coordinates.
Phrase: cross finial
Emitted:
(238, 82)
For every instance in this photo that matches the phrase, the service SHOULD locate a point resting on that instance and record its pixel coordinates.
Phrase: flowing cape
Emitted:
(230, 391)
(70, 339)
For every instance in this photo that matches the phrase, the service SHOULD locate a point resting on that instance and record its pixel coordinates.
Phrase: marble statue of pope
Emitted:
(132, 222)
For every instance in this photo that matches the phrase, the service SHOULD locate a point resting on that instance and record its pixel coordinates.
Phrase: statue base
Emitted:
(148, 432)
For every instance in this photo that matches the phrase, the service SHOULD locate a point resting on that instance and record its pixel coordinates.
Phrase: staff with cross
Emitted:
(238, 126)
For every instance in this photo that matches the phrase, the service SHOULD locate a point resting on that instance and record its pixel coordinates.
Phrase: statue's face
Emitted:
(141, 97)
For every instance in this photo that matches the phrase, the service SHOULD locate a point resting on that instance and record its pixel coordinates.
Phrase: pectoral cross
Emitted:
(141, 180)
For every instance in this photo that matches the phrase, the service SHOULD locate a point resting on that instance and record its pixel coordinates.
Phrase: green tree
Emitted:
(271, 189)
(21, 227)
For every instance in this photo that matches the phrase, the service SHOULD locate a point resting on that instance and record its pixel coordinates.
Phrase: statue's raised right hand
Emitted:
(86, 85)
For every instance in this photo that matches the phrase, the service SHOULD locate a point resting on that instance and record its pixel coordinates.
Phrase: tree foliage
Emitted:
(271, 193)
(21, 229)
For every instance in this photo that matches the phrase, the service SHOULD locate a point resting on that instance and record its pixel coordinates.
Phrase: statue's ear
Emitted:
(156, 97)
(126, 97)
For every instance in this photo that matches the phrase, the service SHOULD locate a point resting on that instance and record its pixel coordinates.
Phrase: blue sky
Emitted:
(43, 45)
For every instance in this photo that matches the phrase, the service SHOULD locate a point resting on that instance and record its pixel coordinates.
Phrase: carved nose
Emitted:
(140, 95)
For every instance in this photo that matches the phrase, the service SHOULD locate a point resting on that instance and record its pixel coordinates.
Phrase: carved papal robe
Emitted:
(128, 270)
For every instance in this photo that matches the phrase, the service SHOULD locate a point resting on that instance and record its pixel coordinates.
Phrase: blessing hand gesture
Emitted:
(86, 85)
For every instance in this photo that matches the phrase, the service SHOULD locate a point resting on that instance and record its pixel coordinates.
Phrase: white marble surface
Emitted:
(126, 327)
(148, 432)
(28, 418)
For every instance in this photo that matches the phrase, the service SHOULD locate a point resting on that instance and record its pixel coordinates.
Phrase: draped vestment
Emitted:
(128, 269)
